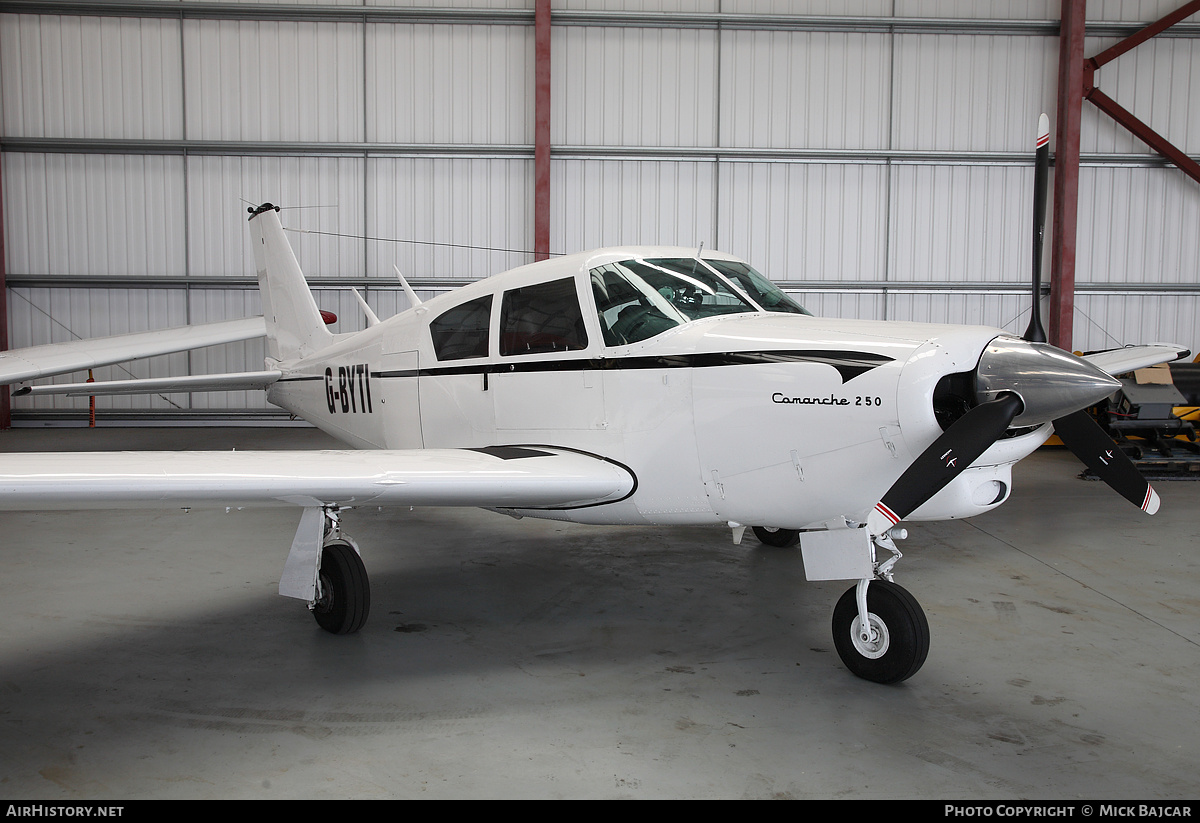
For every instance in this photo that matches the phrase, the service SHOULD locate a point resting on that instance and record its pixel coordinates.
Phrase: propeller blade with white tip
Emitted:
(1087, 441)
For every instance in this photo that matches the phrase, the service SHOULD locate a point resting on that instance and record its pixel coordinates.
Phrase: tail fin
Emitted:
(294, 325)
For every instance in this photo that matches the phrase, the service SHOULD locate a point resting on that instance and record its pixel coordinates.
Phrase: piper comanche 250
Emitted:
(620, 386)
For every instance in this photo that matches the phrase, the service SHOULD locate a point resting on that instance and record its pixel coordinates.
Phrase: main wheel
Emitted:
(344, 596)
(779, 538)
(896, 643)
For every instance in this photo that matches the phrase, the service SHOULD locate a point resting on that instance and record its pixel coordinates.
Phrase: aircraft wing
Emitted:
(521, 477)
(19, 365)
(1120, 361)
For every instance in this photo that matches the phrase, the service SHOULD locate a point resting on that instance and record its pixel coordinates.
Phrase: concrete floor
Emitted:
(146, 655)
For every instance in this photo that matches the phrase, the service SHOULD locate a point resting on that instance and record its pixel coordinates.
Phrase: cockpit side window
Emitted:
(462, 331)
(628, 309)
(544, 317)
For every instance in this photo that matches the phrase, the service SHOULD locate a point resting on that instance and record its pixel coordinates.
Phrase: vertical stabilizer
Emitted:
(294, 325)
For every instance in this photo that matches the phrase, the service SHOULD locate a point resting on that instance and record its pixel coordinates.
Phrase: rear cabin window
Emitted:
(541, 318)
(462, 331)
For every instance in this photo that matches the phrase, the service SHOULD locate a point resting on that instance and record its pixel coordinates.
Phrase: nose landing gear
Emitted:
(893, 642)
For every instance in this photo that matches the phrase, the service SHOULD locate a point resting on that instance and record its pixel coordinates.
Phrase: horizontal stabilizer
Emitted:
(502, 477)
(235, 381)
(1120, 361)
(19, 365)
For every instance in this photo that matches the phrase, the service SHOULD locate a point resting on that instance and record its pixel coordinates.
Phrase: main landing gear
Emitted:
(779, 538)
(343, 591)
(323, 569)
(343, 594)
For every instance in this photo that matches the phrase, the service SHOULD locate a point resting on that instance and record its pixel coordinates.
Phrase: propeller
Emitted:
(1078, 431)
(1028, 382)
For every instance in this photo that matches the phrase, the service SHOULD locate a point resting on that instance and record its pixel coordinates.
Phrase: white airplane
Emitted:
(620, 386)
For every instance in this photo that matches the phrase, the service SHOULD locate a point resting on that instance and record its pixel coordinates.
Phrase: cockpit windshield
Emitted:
(759, 289)
(638, 299)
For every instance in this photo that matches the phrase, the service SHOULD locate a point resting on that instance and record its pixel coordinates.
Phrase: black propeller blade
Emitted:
(1087, 441)
(957, 448)
(1035, 333)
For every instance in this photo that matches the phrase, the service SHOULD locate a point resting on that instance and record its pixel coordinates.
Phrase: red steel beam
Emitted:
(1076, 82)
(1123, 116)
(1066, 174)
(5, 402)
(1143, 132)
(1135, 40)
(541, 131)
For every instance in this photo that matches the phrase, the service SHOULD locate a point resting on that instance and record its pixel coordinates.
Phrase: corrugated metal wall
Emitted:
(873, 155)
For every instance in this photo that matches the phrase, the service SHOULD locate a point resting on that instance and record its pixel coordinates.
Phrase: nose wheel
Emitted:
(892, 643)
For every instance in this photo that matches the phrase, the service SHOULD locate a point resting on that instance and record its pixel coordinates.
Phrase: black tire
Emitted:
(903, 642)
(780, 538)
(345, 591)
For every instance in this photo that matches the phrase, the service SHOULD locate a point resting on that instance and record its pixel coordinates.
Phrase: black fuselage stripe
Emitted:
(849, 364)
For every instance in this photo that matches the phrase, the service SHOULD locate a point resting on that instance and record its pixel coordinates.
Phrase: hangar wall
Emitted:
(873, 156)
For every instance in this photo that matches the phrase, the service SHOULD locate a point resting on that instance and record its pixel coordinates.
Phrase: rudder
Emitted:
(295, 328)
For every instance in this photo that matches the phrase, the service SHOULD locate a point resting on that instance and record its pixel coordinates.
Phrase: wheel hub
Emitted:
(870, 641)
(324, 602)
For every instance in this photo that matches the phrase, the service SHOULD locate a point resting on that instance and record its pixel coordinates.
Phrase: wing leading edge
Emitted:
(1120, 361)
(152, 385)
(19, 365)
(503, 477)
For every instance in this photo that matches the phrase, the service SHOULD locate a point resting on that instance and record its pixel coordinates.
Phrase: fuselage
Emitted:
(725, 406)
